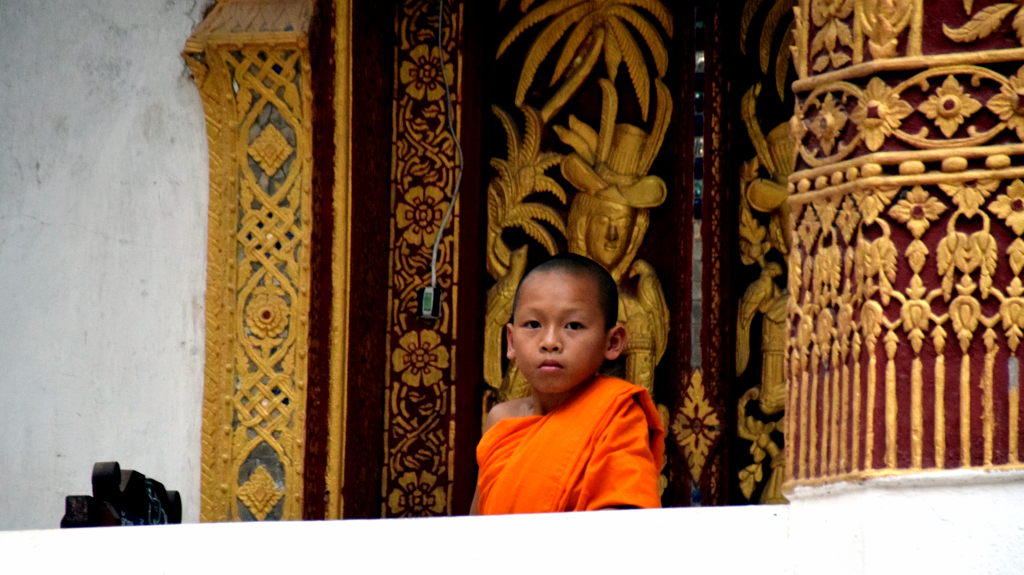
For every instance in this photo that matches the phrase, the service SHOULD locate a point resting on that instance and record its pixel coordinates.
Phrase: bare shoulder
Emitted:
(505, 409)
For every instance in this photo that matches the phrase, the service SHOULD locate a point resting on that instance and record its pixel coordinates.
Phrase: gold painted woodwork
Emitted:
(606, 166)
(419, 410)
(765, 243)
(341, 262)
(250, 61)
(907, 244)
(696, 426)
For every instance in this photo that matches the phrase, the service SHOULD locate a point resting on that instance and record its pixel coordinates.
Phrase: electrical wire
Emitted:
(458, 148)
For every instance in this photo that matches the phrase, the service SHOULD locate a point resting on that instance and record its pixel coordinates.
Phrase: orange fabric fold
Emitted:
(601, 449)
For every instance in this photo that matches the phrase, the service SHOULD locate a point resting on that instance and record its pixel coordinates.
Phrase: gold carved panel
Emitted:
(600, 204)
(419, 434)
(251, 65)
(907, 256)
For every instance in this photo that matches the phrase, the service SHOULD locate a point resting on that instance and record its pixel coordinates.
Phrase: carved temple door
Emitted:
(651, 136)
(363, 150)
(643, 134)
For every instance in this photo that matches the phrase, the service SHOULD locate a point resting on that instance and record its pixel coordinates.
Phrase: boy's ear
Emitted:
(510, 351)
(615, 342)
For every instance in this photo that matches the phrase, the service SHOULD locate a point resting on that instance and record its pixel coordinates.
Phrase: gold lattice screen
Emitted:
(251, 64)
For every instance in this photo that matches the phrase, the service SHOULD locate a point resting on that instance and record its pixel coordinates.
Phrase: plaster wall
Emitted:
(103, 198)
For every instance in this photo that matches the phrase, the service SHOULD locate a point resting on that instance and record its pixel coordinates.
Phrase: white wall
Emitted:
(103, 197)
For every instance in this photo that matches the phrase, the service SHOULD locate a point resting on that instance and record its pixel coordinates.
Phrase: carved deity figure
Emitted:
(760, 242)
(608, 220)
(608, 225)
(608, 213)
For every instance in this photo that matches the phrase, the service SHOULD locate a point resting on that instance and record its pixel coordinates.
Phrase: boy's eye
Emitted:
(532, 324)
(574, 325)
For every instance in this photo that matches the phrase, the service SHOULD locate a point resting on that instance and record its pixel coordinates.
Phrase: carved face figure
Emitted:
(609, 233)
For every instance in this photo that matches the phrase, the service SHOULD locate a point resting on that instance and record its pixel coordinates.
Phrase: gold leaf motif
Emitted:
(948, 247)
(752, 237)
(834, 34)
(871, 320)
(521, 176)
(1011, 312)
(828, 267)
(750, 476)
(594, 29)
(1018, 25)
(808, 229)
(982, 25)
(985, 246)
(1016, 254)
(880, 259)
(970, 196)
(917, 254)
(260, 493)
(874, 200)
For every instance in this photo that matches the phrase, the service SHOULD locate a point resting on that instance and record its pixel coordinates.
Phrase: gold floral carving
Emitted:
(606, 166)
(417, 495)
(837, 34)
(883, 23)
(251, 65)
(696, 426)
(879, 111)
(830, 47)
(419, 395)
(907, 260)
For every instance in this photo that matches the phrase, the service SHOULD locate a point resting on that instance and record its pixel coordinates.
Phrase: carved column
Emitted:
(251, 64)
(907, 200)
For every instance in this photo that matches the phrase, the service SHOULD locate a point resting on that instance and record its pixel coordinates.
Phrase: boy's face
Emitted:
(557, 336)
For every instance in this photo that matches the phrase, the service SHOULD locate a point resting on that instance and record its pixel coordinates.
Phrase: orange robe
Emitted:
(603, 448)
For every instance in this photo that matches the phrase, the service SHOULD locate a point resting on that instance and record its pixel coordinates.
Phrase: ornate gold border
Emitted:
(419, 408)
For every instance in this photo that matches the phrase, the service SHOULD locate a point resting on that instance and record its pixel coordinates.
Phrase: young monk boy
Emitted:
(580, 440)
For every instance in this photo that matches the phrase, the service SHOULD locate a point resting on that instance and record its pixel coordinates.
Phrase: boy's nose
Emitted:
(550, 342)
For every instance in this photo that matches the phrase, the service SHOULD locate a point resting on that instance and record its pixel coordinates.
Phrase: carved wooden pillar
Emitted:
(252, 67)
(907, 252)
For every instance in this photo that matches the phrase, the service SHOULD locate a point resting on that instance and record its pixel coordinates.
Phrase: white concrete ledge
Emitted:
(691, 541)
(958, 522)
